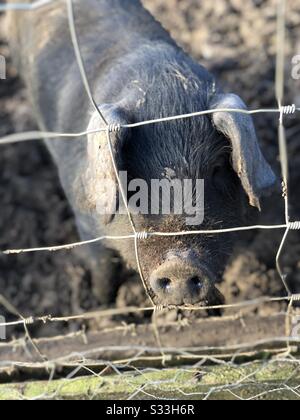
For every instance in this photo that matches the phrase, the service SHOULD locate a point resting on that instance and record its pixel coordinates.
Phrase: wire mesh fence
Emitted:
(99, 354)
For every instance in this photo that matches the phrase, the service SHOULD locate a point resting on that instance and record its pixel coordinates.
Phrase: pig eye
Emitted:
(165, 284)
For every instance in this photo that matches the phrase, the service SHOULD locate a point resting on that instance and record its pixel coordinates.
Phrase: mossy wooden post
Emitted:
(272, 380)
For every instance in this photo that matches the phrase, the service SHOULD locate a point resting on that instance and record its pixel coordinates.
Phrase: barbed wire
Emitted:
(135, 310)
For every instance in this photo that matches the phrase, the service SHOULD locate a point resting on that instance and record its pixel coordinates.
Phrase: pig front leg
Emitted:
(106, 268)
(104, 264)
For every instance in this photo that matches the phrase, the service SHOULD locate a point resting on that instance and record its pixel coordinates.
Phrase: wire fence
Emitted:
(282, 346)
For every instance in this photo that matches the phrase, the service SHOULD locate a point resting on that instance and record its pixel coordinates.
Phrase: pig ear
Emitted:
(255, 173)
(102, 184)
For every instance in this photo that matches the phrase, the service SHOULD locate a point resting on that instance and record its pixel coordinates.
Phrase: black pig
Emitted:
(137, 73)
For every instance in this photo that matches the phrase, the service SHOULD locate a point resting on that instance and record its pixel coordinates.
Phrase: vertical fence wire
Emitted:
(279, 86)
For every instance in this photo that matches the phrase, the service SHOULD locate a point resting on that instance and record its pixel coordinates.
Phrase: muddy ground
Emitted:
(236, 40)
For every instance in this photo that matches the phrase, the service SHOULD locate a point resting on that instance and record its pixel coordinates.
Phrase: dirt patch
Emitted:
(236, 40)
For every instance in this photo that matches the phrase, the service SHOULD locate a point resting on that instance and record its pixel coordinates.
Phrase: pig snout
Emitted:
(180, 281)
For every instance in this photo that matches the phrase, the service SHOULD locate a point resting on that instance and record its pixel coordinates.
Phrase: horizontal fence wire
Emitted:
(147, 235)
(40, 135)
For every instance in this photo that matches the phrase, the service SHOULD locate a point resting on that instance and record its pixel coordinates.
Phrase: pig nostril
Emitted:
(164, 284)
(196, 282)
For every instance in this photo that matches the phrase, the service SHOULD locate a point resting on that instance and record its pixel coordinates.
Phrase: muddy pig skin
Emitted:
(137, 72)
